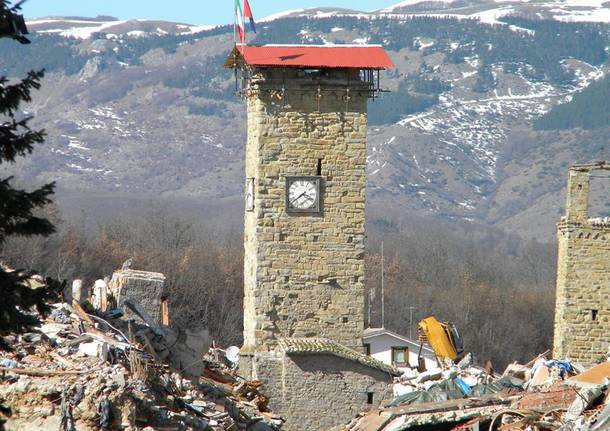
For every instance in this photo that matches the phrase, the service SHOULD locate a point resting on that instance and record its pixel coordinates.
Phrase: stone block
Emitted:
(141, 287)
(80, 292)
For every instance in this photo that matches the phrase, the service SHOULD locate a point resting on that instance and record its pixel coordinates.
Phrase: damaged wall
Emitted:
(319, 391)
(582, 314)
(142, 287)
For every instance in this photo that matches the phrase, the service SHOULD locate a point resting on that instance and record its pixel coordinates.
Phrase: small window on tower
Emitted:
(594, 314)
(369, 397)
(319, 170)
(250, 194)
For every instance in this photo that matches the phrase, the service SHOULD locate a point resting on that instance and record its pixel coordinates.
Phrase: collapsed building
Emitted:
(119, 368)
(582, 315)
(567, 389)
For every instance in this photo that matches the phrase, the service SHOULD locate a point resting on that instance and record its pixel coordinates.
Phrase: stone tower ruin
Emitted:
(304, 227)
(582, 312)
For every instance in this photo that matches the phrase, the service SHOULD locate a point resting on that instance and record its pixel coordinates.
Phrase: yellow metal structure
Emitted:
(439, 337)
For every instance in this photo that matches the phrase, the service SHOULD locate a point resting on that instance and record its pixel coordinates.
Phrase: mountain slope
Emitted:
(486, 11)
(154, 113)
(84, 28)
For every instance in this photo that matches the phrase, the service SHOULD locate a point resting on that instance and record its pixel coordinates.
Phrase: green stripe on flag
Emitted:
(238, 7)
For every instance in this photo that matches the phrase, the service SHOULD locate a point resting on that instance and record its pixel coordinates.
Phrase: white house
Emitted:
(394, 349)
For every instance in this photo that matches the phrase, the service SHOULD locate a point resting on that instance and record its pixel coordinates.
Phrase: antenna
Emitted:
(368, 312)
(382, 290)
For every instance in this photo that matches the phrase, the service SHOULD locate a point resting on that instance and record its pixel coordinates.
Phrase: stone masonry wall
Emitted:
(317, 392)
(304, 274)
(142, 287)
(582, 313)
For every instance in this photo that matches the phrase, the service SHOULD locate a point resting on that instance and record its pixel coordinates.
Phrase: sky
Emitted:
(188, 11)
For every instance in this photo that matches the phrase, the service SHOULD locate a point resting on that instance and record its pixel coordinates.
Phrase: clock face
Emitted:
(303, 194)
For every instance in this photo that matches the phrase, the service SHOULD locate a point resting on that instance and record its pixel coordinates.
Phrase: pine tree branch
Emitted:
(19, 297)
(11, 96)
(16, 210)
(13, 145)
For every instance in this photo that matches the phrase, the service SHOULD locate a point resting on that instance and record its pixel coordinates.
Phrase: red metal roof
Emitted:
(317, 57)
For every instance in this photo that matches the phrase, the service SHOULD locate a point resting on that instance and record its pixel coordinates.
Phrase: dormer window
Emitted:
(400, 356)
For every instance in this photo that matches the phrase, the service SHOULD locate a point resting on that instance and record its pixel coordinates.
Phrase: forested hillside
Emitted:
(589, 109)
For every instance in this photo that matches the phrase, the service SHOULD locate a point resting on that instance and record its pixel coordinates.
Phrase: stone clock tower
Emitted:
(305, 194)
(304, 260)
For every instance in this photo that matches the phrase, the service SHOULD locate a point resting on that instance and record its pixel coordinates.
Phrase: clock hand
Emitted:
(292, 201)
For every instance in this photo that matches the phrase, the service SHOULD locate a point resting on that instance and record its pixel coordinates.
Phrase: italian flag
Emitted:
(239, 19)
(239, 22)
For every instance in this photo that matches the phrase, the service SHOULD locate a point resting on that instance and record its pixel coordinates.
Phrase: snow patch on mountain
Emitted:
(406, 3)
(287, 13)
(85, 28)
(489, 12)
(601, 15)
(469, 136)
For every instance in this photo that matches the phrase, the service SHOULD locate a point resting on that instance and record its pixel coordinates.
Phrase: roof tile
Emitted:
(321, 346)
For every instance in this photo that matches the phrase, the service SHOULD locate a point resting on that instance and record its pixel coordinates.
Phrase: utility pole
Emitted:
(382, 291)
(369, 301)
(411, 322)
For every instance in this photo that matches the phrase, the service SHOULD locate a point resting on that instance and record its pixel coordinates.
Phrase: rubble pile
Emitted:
(94, 370)
(545, 394)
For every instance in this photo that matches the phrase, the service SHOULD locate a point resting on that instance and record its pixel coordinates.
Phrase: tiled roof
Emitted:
(323, 346)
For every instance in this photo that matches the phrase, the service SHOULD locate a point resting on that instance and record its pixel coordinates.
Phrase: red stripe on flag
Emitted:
(247, 10)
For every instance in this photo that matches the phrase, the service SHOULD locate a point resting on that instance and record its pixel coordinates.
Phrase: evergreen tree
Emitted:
(18, 207)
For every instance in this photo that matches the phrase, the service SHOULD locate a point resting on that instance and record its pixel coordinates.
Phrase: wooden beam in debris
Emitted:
(81, 313)
(460, 404)
(37, 372)
(164, 311)
(142, 314)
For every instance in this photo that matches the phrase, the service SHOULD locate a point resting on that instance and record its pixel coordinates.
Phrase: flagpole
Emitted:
(245, 30)
(235, 46)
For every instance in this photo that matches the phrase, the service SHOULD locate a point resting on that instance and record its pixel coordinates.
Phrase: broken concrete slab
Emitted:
(585, 399)
(94, 349)
(592, 377)
(540, 377)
